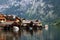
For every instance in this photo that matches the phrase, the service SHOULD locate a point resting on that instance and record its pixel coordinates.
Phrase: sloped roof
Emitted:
(2, 18)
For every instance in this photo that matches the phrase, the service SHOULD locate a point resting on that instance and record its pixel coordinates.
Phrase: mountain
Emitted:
(44, 10)
(56, 22)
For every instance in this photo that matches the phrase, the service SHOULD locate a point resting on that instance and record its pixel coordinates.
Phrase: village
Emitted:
(12, 26)
(8, 22)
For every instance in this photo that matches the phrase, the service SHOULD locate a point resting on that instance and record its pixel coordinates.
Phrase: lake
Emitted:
(53, 33)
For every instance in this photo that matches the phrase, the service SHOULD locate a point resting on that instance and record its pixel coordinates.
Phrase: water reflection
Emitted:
(51, 34)
(31, 35)
(21, 35)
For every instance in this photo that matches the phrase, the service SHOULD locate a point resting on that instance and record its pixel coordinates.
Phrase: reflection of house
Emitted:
(2, 18)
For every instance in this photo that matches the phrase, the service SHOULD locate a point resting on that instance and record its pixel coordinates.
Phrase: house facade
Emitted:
(2, 18)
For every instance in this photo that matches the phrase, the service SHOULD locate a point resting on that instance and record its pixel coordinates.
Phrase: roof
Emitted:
(1, 14)
(28, 21)
(2, 18)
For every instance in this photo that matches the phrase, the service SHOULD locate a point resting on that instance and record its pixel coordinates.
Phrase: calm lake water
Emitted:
(53, 33)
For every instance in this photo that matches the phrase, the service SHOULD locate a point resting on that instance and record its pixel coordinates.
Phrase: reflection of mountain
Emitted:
(46, 10)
